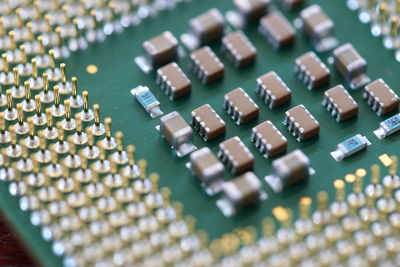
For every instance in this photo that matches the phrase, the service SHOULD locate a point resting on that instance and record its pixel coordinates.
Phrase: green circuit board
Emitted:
(117, 73)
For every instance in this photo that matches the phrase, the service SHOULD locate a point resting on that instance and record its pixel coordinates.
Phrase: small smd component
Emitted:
(288, 170)
(319, 28)
(292, 4)
(268, 139)
(251, 10)
(277, 30)
(240, 106)
(173, 81)
(148, 101)
(161, 49)
(273, 90)
(351, 66)
(207, 122)
(177, 132)
(350, 146)
(208, 27)
(208, 169)
(311, 70)
(240, 193)
(206, 65)
(381, 97)
(234, 153)
(301, 123)
(340, 104)
(238, 49)
(388, 127)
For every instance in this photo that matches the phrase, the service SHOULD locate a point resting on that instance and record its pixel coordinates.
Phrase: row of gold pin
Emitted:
(365, 219)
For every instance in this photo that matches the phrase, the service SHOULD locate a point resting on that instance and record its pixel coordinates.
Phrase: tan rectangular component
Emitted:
(239, 49)
(207, 122)
(273, 90)
(268, 139)
(340, 103)
(381, 97)
(277, 29)
(240, 106)
(301, 123)
(311, 70)
(236, 155)
(173, 81)
(206, 65)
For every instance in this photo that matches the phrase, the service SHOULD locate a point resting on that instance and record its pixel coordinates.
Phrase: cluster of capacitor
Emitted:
(383, 17)
(359, 228)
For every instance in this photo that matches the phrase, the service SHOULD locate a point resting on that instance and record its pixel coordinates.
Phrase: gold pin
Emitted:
(2, 124)
(49, 119)
(58, 36)
(54, 76)
(287, 223)
(38, 107)
(131, 154)
(107, 122)
(28, 104)
(16, 78)
(96, 109)
(393, 166)
(178, 207)
(67, 110)
(13, 136)
(360, 174)
(31, 128)
(339, 189)
(142, 167)
(45, 78)
(20, 114)
(34, 69)
(23, 54)
(85, 95)
(63, 74)
(118, 136)
(6, 67)
(75, 21)
(13, 44)
(268, 226)
(4, 135)
(60, 132)
(56, 96)
(394, 26)
(305, 205)
(98, 128)
(2, 30)
(166, 194)
(90, 138)
(31, 36)
(375, 174)
(87, 114)
(322, 199)
(49, 28)
(43, 142)
(382, 12)
(78, 124)
(9, 100)
(74, 92)
(154, 178)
